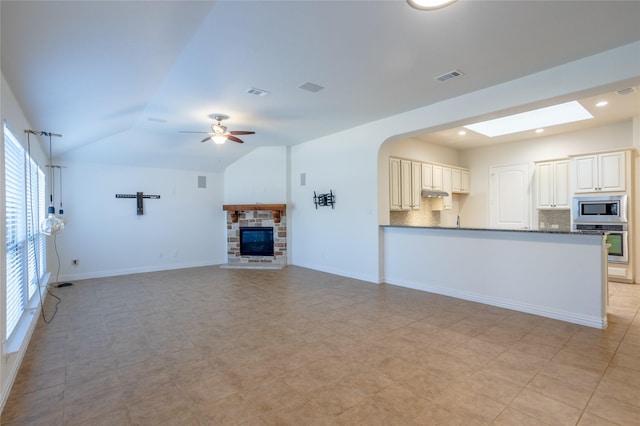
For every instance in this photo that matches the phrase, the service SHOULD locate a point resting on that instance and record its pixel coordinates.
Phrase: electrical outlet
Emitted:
(75, 262)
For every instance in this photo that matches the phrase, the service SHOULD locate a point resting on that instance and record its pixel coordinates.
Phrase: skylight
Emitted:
(539, 118)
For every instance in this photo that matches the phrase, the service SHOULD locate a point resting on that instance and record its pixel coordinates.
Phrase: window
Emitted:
(25, 244)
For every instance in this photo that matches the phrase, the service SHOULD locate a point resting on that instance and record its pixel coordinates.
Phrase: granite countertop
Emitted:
(538, 231)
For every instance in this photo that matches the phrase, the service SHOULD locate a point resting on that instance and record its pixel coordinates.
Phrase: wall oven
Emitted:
(604, 214)
(604, 209)
(617, 239)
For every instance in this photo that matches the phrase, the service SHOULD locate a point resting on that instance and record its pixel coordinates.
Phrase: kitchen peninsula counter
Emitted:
(556, 274)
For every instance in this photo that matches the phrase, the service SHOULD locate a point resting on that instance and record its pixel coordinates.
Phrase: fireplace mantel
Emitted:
(233, 210)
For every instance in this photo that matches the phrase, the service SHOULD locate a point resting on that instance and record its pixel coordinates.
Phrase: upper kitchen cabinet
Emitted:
(405, 179)
(427, 176)
(552, 184)
(603, 172)
(460, 181)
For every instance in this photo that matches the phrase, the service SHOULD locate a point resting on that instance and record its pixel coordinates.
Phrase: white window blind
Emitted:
(25, 244)
(16, 229)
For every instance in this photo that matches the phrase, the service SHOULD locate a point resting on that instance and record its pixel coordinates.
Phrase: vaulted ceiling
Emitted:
(121, 79)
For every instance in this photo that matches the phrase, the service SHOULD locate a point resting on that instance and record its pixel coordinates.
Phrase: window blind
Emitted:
(25, 244)
(15, 230)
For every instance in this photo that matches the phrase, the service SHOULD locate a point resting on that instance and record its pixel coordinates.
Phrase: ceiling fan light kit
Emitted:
(219, 133)
(429, 4)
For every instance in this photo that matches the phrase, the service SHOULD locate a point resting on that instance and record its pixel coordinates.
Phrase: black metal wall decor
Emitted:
(324, 200)
(138, 196)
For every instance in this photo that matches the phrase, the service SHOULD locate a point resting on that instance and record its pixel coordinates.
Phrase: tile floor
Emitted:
(208, 346)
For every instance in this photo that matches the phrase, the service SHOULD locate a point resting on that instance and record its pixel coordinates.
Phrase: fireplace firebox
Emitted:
(256, 241)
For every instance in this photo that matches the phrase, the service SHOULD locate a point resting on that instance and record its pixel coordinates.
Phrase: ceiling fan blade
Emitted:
(190, 131)
(208, 138)
(242, 132)
(233, 138)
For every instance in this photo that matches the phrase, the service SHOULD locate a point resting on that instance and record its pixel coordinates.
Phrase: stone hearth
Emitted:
(256, 215)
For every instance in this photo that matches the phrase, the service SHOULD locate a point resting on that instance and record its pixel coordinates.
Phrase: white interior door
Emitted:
(510, 197)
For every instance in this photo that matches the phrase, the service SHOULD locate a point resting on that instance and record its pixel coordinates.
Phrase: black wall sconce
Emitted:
(324, 200)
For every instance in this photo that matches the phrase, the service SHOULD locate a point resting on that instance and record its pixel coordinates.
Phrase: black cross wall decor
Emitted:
(139, 196)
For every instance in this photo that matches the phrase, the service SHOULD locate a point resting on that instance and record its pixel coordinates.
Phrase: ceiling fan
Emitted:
(219, 133)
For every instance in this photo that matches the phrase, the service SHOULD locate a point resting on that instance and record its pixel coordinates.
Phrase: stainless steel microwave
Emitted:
(601, 209)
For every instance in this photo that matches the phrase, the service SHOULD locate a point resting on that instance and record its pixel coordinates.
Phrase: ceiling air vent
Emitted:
(257, 92)
(627, 91)
(311, 87)
(449, 75)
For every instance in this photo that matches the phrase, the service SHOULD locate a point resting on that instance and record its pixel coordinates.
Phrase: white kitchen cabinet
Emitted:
(405, 179)
(436, 177)
(552, 184)
(427, 176)
(395, 186)
(405, 185)
(603, 172)
(416, 185)
(444, 203)
(447, 202)
(459, 181)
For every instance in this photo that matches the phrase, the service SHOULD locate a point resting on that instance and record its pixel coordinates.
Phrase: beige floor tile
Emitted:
(211, 346)
(440, 416)
(166, 409)
(403, 403)
(471, 405)
(492, 387)
(627, 391)
(115, 418)
(613, 410)
(513, 417)
(589, 419)
(544, 408)
(369, 412)
(574, 395)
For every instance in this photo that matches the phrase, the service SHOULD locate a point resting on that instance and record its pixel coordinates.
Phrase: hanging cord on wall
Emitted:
(37, 252)
(55, 241)
(60, 211)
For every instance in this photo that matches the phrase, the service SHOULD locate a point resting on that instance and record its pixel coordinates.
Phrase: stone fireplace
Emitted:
(262, 217)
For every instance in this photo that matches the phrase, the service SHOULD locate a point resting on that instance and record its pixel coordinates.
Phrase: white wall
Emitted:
(184, 228)
(261, 176)
(338, 240)
(476, 209)
(567, 281)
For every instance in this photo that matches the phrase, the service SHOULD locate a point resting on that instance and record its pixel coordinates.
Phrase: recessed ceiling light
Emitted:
(539, 130)
(602, 103)
(429, 4)
(544, 117)
(462, 133)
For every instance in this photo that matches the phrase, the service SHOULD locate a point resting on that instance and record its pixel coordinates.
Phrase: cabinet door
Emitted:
(586, 173)
(394, 184)
(612, 170)
(437, 177)
(466, 179)
(447, 202)
(456, 180)
(561, 198)
(545, 185)
(427, 176)
(416, 185)
(405, 185)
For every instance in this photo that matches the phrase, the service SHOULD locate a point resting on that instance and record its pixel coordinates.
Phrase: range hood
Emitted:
(433, 193)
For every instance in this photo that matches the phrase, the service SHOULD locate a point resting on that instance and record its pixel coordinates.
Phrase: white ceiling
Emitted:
(121, 79)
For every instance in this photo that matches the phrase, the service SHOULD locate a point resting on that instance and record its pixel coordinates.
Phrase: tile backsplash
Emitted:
(548, 218)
